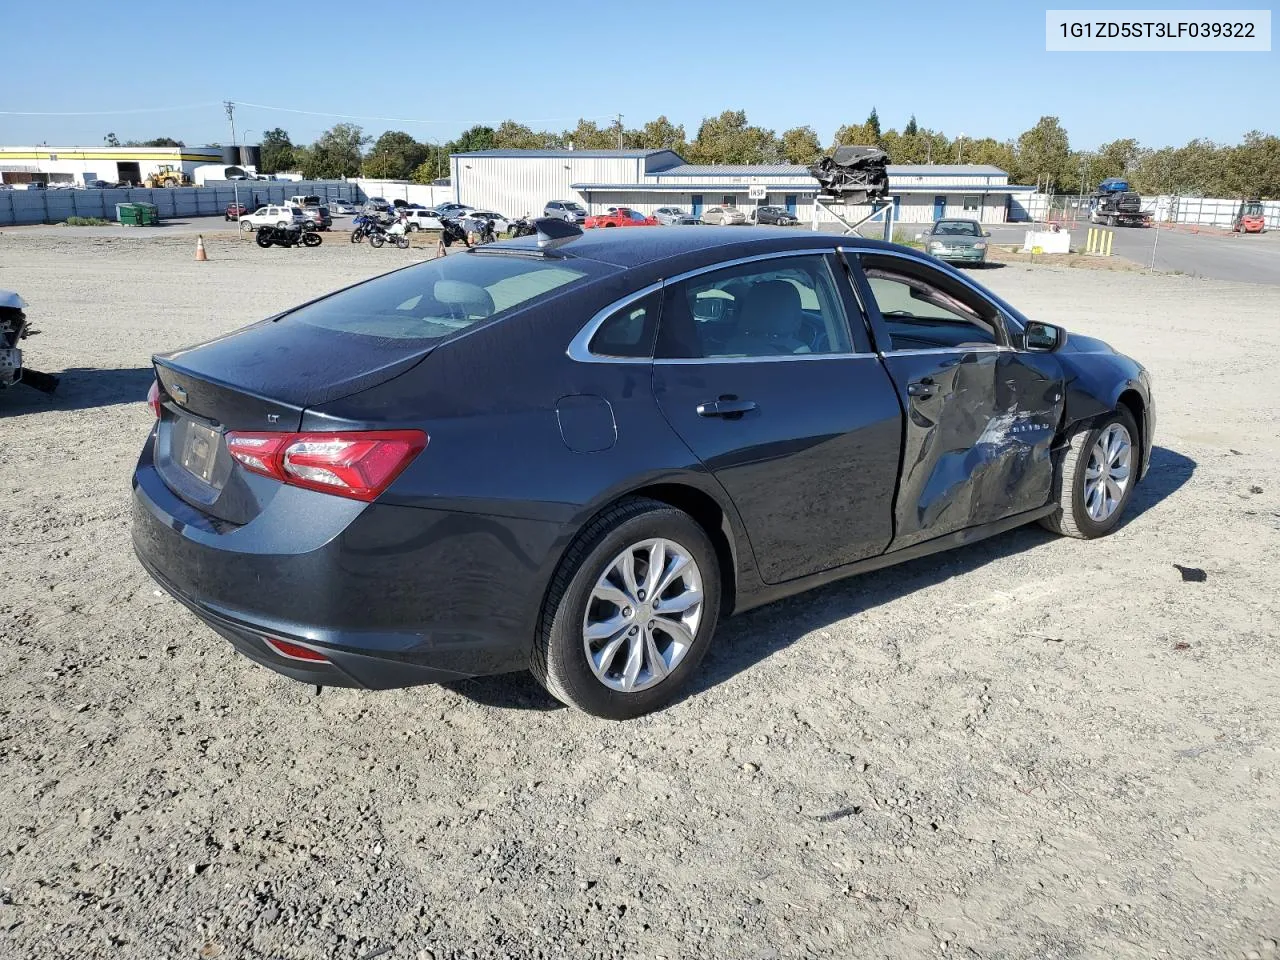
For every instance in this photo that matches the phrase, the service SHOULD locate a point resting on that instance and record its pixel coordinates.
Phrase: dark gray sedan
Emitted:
(956, 241)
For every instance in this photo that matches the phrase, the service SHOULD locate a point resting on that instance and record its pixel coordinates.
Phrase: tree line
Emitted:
(1042, 155)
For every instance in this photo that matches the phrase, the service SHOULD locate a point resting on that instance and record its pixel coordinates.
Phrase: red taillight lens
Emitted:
(153, 398)
(356, 464)
(294, 651)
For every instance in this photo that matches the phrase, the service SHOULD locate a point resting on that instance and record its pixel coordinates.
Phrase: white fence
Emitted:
(422, 193)
(54, 206)
(1193, 211)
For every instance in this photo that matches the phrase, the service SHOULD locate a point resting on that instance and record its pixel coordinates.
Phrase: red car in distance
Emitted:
(235, 211)
(620, 217)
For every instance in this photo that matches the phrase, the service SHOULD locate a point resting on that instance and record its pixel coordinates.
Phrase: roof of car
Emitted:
(632, 248)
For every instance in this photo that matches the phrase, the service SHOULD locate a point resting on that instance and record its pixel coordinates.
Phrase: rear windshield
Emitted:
(442, 297)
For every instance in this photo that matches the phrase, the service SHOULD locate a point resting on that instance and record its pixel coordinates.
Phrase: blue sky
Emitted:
(972, 68)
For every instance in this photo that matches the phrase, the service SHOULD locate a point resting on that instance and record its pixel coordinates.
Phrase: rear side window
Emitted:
(629, 331)
(440, 298)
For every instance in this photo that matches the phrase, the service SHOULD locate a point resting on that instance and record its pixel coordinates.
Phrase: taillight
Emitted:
(359, 464)
(153, 398)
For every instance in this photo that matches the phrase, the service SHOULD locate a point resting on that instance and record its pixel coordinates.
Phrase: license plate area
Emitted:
(200, 452)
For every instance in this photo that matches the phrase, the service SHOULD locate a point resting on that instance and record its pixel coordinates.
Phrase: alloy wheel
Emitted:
(642, 615)
(1109, 471)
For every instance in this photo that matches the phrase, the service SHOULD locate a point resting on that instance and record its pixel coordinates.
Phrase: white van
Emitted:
(421, 220)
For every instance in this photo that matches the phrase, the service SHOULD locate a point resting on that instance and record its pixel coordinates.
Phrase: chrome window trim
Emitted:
(989, 348)
(686, 361)
(578, 346)
(1011, 325)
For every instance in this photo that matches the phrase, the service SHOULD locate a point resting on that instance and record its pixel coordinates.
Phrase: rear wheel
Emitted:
(1095, 481)
(402, 242)
(630, 613)
(312, 239)
(264, 239)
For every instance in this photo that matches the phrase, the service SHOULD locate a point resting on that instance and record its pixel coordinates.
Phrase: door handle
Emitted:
(921, 388)
(728, 407)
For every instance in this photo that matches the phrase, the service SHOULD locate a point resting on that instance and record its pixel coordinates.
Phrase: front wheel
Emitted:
(1094, 482)
(376, 240)
(357, 235)
(264, 239)
(402, 242)
(246, 226)
(311, 239)
(630, 613)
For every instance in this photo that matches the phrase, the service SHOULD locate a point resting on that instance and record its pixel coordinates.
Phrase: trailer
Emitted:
(1115, 205)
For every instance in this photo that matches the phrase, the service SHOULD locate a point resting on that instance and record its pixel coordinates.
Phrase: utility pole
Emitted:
(619, 131)
(231, 117)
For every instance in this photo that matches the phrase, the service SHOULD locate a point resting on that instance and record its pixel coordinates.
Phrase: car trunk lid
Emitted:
(261, 378)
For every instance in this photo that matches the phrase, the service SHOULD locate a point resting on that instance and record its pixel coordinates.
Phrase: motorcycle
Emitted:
(523, 227)
(14, 328)
(361, 224)
(397, 233)
(453, 231)
(290, 236)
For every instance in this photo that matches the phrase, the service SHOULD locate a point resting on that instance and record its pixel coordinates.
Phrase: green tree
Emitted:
(1253, 167)
(801, 145)
(1114, 159)
(157, 142)
(277, 151)
(336, 153)
(911, 129)
(394, 156)
(873, 124)
(587, 136)
(472, 139)
(854, 135)
(110, 140)
(728, 138)
(516, 136)
(661, 134)
(1044, 155)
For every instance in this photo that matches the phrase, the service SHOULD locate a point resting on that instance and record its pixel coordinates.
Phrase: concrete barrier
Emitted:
(1048, 241)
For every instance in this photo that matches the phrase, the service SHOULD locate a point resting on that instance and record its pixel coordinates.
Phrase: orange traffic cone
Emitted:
(201, 256)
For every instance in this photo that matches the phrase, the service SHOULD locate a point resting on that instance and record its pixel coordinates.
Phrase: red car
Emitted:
(235, 211)
(621, 217)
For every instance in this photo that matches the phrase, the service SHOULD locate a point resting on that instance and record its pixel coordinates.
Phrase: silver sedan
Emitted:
(723, 216)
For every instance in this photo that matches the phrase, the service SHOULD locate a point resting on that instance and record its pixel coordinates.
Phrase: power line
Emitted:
(355, 116)
(102, 113)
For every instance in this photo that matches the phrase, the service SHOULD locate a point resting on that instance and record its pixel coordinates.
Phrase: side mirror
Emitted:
(1043, 337)
(986, 233)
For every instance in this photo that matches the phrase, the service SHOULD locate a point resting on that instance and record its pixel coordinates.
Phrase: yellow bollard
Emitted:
(1110, 234)
(1093, 239)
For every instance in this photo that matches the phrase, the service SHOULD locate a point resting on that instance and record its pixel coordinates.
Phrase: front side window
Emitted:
(785, 306)
(924, 309)
(636, 215)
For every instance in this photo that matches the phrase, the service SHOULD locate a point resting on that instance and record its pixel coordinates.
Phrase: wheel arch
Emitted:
(1134, 402)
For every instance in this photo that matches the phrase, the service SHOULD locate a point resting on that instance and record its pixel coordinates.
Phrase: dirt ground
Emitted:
(1032, 747)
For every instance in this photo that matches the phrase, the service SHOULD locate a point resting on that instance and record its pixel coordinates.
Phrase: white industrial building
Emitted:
(516, 182)
(51, 166)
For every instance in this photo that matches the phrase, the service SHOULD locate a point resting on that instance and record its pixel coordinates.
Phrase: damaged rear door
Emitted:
(981, 415)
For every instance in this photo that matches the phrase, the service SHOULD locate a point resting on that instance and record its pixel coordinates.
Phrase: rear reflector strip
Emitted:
(294, 651)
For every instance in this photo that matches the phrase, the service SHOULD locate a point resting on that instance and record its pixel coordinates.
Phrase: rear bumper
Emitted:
(393, 596)
(962, 256)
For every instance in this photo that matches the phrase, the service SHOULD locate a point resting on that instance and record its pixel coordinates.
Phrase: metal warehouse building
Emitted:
(81, 165)
(516, 182)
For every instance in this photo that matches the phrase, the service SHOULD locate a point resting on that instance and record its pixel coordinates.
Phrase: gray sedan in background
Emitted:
(956, 241)
(673, 216)
(723, 216)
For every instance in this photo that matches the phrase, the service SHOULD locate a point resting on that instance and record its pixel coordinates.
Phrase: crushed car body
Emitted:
(853, 174)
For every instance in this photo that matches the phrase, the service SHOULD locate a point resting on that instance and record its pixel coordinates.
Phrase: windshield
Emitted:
(440, 298)
(957, 228)
(574, 207)
(1253, 209)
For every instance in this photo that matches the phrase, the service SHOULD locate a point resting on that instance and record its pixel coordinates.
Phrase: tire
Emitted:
(376, 240)
(446, 239)
(402, 242)
(282, 224)
(357, 235)
(312, 239)
(246, 226)
(560, 660)
(414, 228)
(264, 240)
(1073, 517)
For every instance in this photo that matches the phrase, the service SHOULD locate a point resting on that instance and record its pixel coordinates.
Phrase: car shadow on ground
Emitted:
(80, 388)
(743, 641)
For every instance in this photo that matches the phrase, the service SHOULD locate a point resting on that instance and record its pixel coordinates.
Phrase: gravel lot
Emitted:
(1033, 747)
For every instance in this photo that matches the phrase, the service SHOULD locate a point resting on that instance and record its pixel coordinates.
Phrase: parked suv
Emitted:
(779, 215)
(421, 220)
(272, 216)
(568, 210)
(318, 216)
